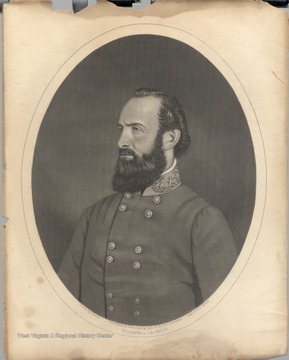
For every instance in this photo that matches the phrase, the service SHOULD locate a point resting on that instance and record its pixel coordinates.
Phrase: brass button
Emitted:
(137, 313)
(127, 195)
(148, 214)
(136, 265)
(122, 207)
(157, 199)
(111, 245)
(109, 295)
(138, 250)
(109, 259)
(137, 301)
(110, 308)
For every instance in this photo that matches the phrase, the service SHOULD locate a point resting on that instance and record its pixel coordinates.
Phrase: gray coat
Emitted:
(146, 260)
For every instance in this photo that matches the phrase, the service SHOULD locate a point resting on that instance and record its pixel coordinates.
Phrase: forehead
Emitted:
(141, 110)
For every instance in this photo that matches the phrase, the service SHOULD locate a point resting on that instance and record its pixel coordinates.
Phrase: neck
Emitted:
(170, 159)
(168, 169)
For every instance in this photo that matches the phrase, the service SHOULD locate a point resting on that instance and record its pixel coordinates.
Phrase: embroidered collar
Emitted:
(168, 181)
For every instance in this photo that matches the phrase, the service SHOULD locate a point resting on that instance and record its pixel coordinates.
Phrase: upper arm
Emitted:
(213, 249)
(69, 270)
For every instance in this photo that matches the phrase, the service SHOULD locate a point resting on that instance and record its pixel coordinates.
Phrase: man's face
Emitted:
(139, 125)
(141, 157)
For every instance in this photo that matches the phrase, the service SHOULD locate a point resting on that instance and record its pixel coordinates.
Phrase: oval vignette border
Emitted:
(260, 199)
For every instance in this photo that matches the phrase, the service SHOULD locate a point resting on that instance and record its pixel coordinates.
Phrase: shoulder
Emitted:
(204, 208)
(210, 215)
(211, 226)
(103, 204)
(205, 216)
(187, 201)
(108, 200)
(187, 194)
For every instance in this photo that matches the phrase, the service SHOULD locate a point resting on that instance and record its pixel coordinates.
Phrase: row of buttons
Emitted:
(136, 265)
(148, 213)
(111, 308)
(112, 246)
(109, 295)
(156, 199)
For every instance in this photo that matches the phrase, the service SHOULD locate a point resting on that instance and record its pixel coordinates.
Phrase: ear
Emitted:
(171, 138)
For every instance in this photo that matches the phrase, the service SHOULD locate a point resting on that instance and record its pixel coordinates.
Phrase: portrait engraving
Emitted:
(150, 174)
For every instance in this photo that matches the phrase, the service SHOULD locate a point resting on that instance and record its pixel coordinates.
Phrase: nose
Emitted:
(124, 141)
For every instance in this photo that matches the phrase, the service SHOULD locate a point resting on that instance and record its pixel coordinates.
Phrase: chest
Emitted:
(152, 229)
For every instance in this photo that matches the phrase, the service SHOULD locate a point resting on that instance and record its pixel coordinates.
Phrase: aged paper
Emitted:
(66, 79)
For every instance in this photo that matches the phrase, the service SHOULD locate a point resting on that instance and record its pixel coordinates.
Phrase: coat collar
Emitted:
(169, 181)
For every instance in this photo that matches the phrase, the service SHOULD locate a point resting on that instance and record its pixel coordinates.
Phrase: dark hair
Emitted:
(171, 117)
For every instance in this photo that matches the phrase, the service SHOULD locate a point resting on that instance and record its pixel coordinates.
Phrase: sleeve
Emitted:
(213, 248)
(69, 270)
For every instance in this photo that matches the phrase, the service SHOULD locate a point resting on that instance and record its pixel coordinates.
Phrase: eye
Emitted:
(136, 129)
(120, 128)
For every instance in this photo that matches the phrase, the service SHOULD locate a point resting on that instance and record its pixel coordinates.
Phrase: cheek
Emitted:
(144, 145)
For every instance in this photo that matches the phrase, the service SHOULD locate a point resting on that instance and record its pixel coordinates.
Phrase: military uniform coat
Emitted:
(145, 260)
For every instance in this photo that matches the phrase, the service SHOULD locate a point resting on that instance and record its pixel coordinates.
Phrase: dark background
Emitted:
(76, 147)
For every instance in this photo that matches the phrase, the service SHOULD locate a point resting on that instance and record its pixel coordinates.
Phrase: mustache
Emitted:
(127, 152)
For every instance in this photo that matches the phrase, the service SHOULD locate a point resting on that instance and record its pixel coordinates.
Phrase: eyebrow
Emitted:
(132, 124)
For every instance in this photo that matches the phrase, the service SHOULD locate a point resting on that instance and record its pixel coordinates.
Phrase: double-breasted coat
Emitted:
(145, 260)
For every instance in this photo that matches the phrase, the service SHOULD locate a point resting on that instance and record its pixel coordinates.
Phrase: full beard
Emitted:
(138, 173)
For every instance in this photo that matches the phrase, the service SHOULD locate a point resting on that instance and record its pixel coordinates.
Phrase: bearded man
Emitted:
(154, 250)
